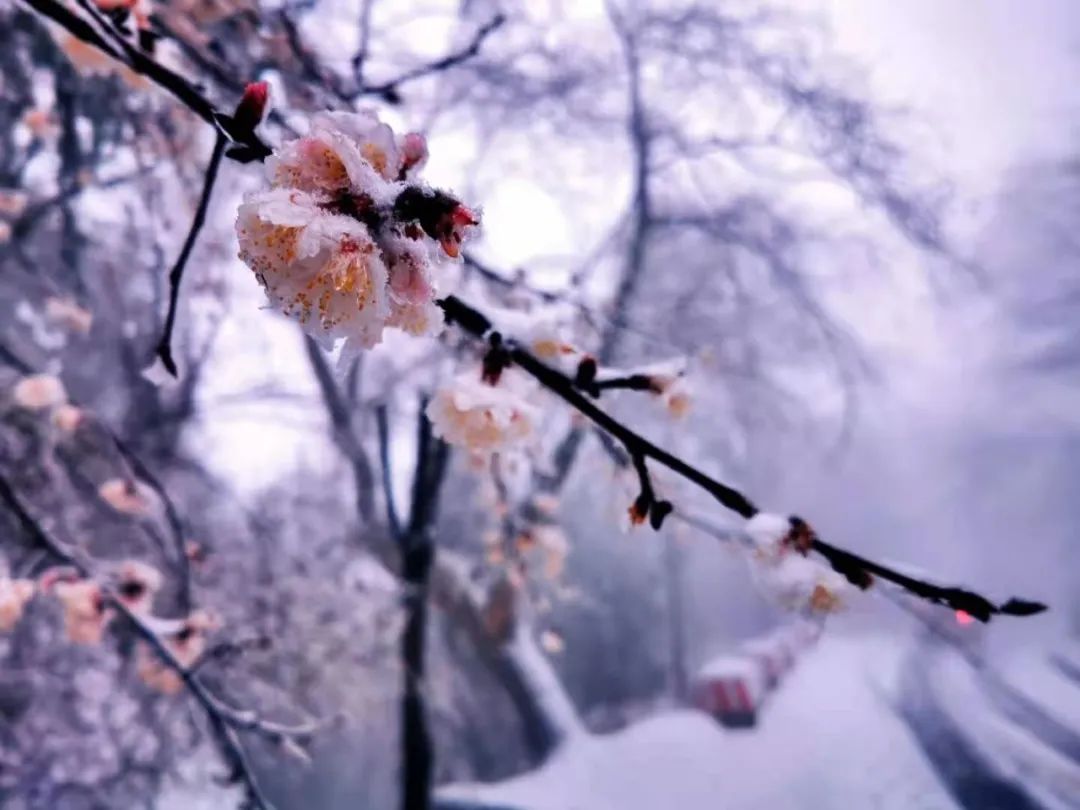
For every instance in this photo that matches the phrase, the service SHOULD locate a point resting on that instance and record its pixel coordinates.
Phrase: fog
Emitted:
(468, 499)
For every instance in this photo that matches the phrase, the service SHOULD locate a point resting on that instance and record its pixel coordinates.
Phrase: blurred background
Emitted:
(855, 222)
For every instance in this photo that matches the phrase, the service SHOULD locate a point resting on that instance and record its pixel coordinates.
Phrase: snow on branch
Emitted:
(346, 242)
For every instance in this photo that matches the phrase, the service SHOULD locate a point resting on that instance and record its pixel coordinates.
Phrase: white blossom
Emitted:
(485, 418)
(321, 269)
(767, 531)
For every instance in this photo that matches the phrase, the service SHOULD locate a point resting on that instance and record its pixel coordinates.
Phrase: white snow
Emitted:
(1047, 775)
(1032, 673)
(826, 741)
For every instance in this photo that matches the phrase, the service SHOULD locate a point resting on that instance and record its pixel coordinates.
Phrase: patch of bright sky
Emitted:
(983, 84)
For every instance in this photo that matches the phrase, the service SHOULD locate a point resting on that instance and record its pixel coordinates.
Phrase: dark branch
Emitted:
(222, 718)
(858, 570)
(389, 90)
(176, 275)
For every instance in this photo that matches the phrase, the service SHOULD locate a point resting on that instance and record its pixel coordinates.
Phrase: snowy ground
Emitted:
(829, 739)
(1035, 675)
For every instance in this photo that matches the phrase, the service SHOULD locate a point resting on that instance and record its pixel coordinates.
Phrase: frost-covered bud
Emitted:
(252, 107)
(320, 269)
(129, 497)
(67, 418)
(484, 418)
(85, 613)
(668, 382)
(676, 398)
(768, 533)
(554, 545)
(414, 153)
(185, 640)
(66, 313)
(14, 594)
(455, 228)
(136, 585)
(39, 392)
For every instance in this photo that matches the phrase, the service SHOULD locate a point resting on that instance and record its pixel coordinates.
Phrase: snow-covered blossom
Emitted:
(675, 397)
(67, 418)
(324, 270)
(799, 583)
(14, 594)
(136, 585)
(343, 151)
(346, 241)
(128, 496)
(85, 613)
(485, 418)
(667, 381)
(768, 531)
(793, 580)
(185, 640)
(39, 392)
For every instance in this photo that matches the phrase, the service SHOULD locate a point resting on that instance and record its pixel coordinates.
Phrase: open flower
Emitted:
(321, 269)
(485, 418)
(85, 613)
(14, 594)
(39, 392)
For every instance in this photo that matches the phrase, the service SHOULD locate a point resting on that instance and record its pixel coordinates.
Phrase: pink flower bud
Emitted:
(249, 112)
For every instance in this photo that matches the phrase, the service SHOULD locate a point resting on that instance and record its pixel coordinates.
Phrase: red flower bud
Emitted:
(249, 112)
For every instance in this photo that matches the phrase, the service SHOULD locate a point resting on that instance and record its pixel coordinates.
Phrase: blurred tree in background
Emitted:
(707, 177)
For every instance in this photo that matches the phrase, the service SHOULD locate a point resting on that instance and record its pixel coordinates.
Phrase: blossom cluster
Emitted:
(347, 241)
(89, 608)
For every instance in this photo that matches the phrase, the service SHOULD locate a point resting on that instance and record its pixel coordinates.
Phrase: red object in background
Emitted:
(731, 689)
(963, 617)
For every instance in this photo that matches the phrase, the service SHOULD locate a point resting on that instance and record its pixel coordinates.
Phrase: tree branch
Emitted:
(176, 275)
(858, 570)
(224, 719)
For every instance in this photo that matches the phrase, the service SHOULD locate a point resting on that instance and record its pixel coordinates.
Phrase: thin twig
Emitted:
(176, 275)
(220, 718)
(857, 569)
